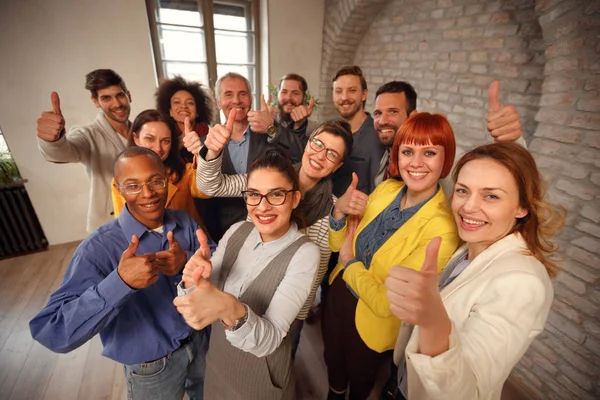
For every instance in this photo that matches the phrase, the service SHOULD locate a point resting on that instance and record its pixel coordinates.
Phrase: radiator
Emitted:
(20, 229)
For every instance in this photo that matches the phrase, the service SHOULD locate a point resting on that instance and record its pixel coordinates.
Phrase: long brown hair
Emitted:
(174, 162)
(543, 219)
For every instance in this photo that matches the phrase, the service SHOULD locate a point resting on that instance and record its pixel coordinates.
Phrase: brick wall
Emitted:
(546, 53)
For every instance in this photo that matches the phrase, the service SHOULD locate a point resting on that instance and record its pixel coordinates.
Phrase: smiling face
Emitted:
(485, 204)
(148, 206)
(348, 96)
(420, 167)
(317, 164)
(290, 95)
(155, 136)
(234, 93)
(389, 114)
(114, 101)
(272, 222)
(183, 105)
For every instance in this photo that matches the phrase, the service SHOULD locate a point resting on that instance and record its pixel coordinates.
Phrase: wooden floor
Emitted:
(30, 371)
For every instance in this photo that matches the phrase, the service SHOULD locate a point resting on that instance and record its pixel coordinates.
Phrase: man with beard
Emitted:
(396, 101)
(349, 97)
(94, 145)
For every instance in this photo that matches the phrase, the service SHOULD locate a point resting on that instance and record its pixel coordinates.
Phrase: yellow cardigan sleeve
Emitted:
(117, 200)
(373, 292)
(190, 172)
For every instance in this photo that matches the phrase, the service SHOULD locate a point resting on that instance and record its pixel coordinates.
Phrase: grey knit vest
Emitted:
(235, 374)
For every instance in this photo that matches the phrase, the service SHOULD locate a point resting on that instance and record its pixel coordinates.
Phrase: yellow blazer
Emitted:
(377, 325)
(180, 195)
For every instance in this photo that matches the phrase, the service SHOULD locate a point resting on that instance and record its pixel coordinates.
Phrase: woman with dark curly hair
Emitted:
(180, 99)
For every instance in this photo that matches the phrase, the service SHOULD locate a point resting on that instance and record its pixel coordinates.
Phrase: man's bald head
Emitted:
(133, 152)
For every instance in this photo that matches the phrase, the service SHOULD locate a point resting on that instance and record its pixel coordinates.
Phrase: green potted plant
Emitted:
(9, 173)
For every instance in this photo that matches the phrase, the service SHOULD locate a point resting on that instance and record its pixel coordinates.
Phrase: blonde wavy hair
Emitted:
(543, 220)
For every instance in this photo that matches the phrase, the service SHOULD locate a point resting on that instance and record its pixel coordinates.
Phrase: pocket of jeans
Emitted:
(148, 370)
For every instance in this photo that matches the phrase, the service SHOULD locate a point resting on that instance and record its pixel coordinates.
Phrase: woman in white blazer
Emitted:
(468, 327)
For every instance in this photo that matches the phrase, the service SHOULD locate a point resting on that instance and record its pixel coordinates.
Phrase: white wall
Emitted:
(49, 46)
(296, 40)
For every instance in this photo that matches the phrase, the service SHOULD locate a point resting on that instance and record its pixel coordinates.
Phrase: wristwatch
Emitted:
(272, 131)
(238, 323)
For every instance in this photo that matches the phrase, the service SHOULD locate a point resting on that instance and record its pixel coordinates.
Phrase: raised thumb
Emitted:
(55, 100)
(131, 249)
(354, 182)
(430, 265)
(186, 124)
(494, 102)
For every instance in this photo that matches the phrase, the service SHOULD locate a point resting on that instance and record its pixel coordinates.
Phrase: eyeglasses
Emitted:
(317, 146)
(274, 197)
(135, 188)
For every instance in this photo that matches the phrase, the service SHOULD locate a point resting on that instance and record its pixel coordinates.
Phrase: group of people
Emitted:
(210, 243)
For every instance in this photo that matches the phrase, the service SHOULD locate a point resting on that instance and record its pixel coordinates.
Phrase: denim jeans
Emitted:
(167, 378)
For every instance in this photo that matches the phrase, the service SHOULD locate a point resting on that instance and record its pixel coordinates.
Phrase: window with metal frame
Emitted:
(204, 39)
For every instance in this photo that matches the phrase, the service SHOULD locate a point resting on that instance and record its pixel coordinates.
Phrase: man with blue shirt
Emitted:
(121, 283)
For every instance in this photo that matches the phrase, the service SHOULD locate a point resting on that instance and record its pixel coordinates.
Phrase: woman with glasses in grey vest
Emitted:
(252, 288)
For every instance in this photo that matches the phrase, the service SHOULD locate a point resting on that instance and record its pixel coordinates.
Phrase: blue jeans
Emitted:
(167, 378)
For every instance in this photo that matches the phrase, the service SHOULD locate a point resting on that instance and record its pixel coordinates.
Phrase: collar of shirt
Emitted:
(274, 246)
(132, 226)
(244, 137)
(413, 209)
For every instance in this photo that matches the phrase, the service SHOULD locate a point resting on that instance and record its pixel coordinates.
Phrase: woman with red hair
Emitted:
(393, 227)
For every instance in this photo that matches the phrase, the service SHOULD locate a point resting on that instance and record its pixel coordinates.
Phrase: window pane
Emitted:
(190, 71)
(234, 47)
(232, 17)
(182, 44)
(180, 12)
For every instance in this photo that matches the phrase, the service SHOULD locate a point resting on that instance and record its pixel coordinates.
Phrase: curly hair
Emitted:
(205, 105)
(543, 219)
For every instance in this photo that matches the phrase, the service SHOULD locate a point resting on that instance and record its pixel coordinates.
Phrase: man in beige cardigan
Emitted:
(94, 145)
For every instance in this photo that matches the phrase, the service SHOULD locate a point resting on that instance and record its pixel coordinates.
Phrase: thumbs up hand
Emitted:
(503, 122)
(137, 272)
(170, 262)
(199, 264)
(218, 136)
(353, 202)
(51, 124)
(190, 138)
(301, 113)
(414, 295)
(207, 304)
(261, 120)
(347, 249)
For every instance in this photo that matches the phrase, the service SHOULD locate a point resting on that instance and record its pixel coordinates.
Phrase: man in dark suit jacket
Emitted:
(252, 133)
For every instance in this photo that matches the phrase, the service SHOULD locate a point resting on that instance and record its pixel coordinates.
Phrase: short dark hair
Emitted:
(352, 70)
(102, 78)
(339, 128)
(279, 160)
(297, 78)
(401, 87)
(136, 151)
(205, 106)
(173, 162)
